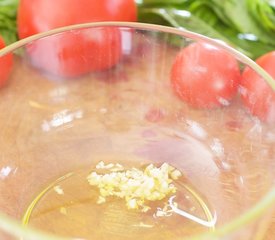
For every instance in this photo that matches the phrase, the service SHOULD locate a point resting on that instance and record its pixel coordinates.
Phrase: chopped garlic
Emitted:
(113, 167)
(100, 165)
(132, 204)
(176, 174)
(63, 210)
(145, 209)
(134, 185)
(101, 200)
(141, 224)
(58, 190)
(166, 211)
(110, 165)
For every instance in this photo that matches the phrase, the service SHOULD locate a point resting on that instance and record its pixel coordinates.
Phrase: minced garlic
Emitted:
(134, 185)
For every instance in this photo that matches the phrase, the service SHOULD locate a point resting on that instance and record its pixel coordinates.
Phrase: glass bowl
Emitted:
(99, 98)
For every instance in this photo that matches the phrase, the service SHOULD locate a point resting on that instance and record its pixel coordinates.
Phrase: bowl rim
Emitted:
(146, 26)
(16, 229)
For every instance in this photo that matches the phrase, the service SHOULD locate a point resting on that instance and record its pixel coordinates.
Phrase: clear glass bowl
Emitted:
(69, 104)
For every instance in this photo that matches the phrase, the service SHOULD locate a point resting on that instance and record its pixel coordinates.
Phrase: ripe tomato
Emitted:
(40, 15)
(74, 53)
(256, 94)
(205, 76)
(77, 53)
(5, 64)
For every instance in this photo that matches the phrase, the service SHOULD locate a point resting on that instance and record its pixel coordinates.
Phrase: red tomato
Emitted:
(40, 15)
(74, 53)
(5, 64)
(257, 95)
(205, 76)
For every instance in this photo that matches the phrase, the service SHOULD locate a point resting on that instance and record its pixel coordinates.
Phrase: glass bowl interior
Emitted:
(102, 92)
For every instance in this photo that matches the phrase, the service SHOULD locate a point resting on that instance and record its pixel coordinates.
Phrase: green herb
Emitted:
(8, 10)
(247, 25)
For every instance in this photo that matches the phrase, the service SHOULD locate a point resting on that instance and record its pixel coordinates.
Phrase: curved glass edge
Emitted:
(268, 202)
(145, 26)
(14, 228)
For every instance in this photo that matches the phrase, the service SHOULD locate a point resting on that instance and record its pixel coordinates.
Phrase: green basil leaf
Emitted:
(8, 27)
